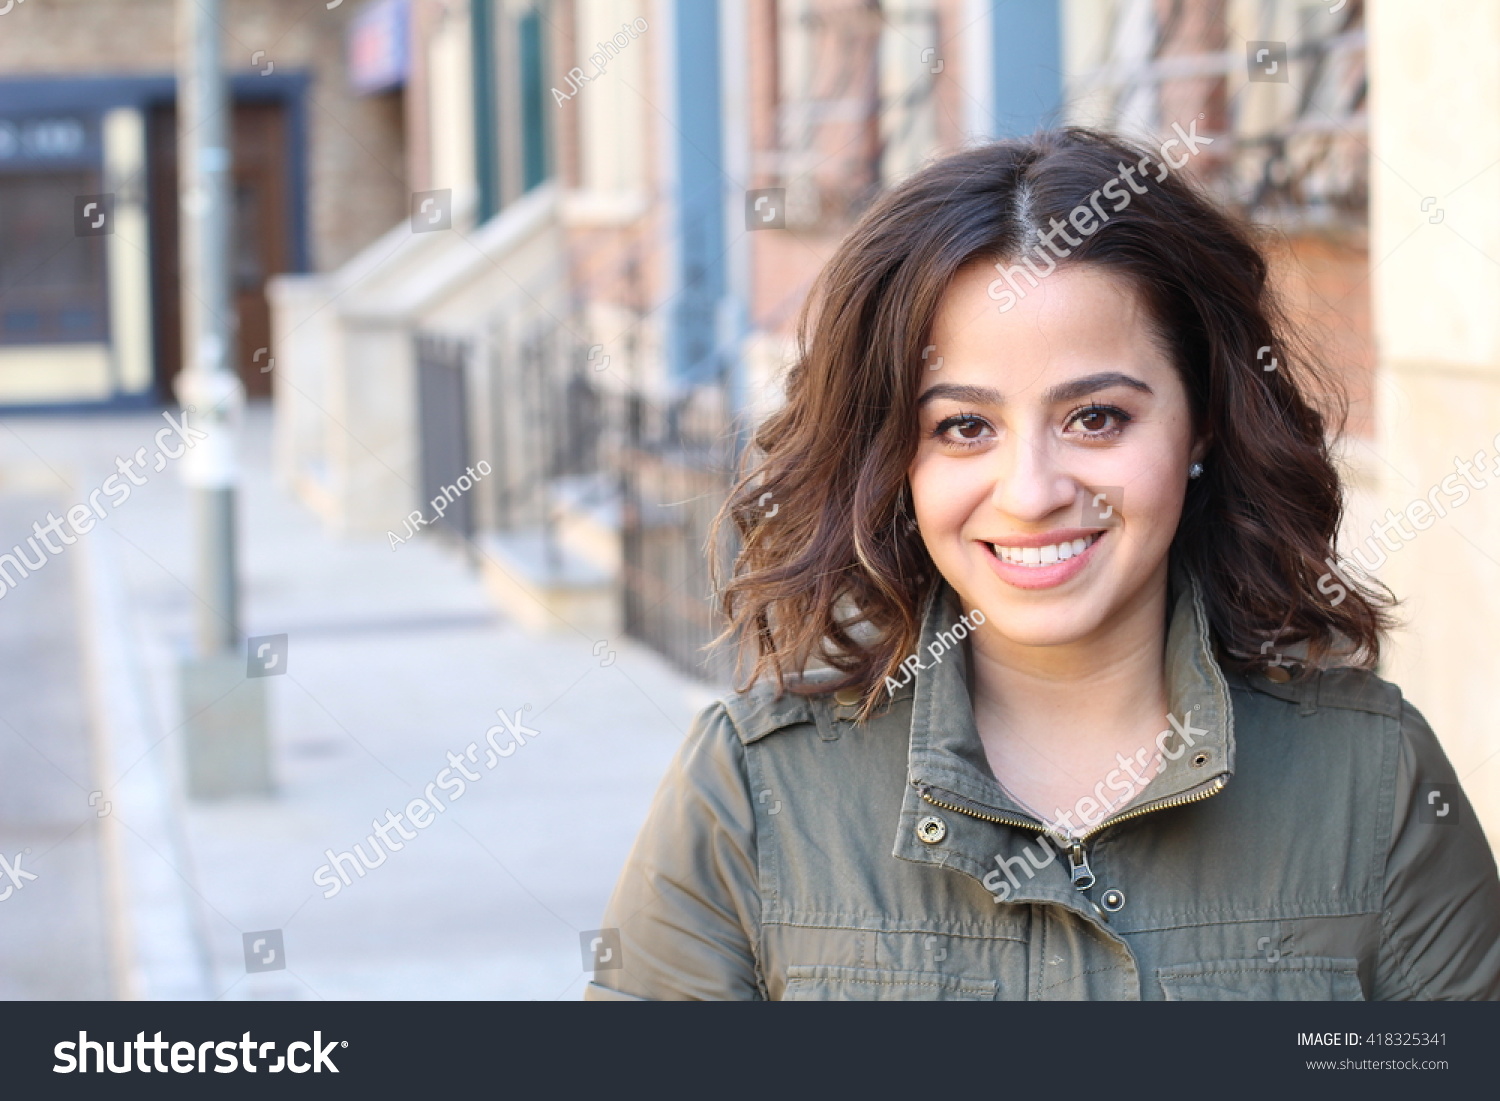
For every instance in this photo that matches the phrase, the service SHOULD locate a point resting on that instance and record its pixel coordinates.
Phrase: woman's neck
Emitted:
(1051, 718)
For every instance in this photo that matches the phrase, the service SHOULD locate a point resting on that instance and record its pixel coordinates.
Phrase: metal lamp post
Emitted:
(223, 710)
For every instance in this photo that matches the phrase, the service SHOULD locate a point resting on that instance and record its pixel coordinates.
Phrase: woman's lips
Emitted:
(1042, 576)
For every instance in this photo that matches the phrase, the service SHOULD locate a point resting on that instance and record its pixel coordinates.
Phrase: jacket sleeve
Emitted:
(1440, 932)
(687, 904)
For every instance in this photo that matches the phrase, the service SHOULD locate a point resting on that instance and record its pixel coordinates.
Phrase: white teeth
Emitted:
(1043, 556)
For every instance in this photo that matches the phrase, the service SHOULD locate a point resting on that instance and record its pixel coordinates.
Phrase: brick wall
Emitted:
(1324, 281)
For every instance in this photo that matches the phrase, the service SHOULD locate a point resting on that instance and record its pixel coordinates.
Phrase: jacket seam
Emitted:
(1388, 948)
(1323, 701)
(929, 931)
(751, 733)
(1387, 822)
(1341, 965)
(1241, 920)
(1117, 968)
(974, 986)
(756, 937)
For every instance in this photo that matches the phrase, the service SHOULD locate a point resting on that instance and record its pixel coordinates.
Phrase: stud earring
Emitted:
(1195, 471)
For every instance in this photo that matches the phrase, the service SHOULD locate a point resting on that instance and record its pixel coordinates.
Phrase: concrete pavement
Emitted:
(395, 660)
(48, 829)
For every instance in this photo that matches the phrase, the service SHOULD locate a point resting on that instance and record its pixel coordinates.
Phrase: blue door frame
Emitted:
(700, 239)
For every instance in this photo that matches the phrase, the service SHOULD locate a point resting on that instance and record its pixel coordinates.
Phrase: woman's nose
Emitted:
(1030, 484)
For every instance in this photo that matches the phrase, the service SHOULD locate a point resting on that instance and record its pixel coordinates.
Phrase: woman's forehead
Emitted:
(1079, 320)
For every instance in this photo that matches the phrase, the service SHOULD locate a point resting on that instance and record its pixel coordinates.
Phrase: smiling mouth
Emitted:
(1049, 555)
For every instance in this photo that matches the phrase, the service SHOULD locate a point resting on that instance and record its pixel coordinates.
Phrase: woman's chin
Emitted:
(1039, 636)
(1041, 617)
(1061, 624)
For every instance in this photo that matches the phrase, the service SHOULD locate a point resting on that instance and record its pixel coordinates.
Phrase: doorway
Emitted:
(261, 242)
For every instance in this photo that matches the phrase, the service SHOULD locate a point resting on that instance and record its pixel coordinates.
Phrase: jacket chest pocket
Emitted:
(828, 983)
(1304, 979)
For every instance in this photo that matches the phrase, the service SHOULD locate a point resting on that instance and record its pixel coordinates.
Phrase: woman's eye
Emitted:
(962, 431)
(1100, 421)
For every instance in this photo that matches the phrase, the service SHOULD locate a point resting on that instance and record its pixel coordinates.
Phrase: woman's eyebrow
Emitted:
(973, 395)
(1063, 391)
(1083, 387)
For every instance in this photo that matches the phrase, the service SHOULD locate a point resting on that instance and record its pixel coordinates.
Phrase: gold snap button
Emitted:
(932, 829)
(1113, 900)
(1278, 674)
(847, 697)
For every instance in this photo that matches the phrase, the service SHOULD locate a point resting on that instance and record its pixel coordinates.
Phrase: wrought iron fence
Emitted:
(569, 439)
(550, 423)
(443, 436)
(676, 470)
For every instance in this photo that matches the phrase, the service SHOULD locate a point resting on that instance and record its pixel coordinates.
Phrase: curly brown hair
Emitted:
(839, 574)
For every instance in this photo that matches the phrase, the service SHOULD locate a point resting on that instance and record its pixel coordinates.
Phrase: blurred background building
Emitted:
(602, 314)
(569, 238)
(581, 303)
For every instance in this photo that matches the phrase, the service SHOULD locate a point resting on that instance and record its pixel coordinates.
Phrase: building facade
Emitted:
(89, 195)
(569, 239)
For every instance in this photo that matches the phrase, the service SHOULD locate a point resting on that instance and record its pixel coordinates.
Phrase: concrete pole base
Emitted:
(224, 731)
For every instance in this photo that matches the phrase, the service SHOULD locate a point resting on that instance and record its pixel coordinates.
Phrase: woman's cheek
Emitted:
(1156, 510)
(944, 500)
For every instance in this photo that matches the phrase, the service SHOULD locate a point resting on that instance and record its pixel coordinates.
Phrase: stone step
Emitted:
(546, 586)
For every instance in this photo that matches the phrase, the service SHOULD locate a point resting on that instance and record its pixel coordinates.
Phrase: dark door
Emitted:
(261, 243)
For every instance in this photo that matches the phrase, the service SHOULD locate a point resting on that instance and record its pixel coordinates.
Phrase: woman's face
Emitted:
(1055, 445)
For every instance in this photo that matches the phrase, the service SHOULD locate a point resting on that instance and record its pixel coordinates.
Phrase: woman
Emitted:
(1092, 715)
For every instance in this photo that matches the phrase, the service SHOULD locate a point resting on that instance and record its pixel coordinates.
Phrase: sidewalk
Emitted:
(395, 660)
(47, 827)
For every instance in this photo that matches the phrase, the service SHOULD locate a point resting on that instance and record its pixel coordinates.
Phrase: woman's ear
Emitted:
(1200, 448)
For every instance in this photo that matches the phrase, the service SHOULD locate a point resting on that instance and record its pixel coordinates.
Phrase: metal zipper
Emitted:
(1083, 875)
(1160, 804)
(1078, 862)
(1005, 820)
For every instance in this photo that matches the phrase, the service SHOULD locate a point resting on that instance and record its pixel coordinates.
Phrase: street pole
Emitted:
(224, 713)
(208, 382)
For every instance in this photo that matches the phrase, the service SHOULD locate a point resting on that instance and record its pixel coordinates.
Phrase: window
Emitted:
(511, 98)
(52, 283)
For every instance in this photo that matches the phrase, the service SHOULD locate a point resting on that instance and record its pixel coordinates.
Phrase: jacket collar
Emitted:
(946, 755)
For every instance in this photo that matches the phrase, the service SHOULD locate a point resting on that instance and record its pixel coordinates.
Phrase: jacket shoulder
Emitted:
(758, 712)
(1340, 688)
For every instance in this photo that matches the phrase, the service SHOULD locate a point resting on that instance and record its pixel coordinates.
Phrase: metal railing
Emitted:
(567, 439)
(443, 436)
(676, 470)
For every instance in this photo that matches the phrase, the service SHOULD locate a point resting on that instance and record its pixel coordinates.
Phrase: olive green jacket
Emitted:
(1308, 840)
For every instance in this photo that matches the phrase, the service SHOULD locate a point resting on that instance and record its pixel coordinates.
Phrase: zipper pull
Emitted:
(1083, 875)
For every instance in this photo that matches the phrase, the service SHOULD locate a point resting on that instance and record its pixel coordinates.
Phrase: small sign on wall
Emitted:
(379, 53)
